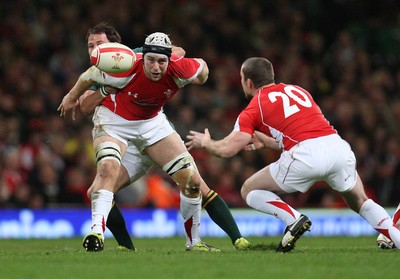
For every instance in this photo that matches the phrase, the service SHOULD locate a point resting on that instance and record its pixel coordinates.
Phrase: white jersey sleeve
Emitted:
(103, 78)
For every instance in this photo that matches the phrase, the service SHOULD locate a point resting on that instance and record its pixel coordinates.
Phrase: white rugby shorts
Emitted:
(136, 163)
(136, 134)
(327, 158)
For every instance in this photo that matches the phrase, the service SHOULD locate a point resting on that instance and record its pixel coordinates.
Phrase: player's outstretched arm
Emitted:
(261, 140)
(71, 100)
(89, 100)
(225, 148)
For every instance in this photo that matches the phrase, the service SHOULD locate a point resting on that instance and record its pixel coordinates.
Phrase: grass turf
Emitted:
(313, 257)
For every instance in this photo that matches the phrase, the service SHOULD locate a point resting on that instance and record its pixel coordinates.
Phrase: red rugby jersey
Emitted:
(142, 98)
(286, 112)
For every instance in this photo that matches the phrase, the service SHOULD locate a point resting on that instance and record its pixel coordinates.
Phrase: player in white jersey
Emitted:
(134, 117)
(285, 117)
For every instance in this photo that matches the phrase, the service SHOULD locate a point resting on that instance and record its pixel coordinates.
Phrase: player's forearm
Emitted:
(219, 148)
(85, 81)
(269, 142)
(80, 87)
(273, 145)
(227, 147)
(89, 101)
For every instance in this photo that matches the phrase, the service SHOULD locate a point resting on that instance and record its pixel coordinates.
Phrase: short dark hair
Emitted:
(259, 70)
(103, 27)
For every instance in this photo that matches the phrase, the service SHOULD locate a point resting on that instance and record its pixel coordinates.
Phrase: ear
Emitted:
(249, 83)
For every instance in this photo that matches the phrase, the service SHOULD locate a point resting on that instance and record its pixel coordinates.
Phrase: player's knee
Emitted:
(245, 190)
(183, 171)
(89, 192)
(354, 200)
(106, 151)
(188, 181)
(108, 159)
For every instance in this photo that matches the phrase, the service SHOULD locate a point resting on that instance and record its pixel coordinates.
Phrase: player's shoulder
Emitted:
(184, 65)
(282, 87)
(175, 58)
(182, 59)
(139, 56)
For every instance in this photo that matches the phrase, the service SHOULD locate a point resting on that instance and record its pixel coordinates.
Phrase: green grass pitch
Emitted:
(313, 257)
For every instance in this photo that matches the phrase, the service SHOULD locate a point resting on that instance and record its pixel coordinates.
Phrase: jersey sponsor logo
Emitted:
(135, 95)
(383, 220)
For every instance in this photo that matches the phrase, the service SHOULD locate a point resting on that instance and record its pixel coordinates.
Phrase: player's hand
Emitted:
(67, 104)
(254, 144)
(197, 139)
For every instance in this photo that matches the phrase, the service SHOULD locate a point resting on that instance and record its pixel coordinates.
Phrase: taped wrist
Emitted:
(103, 91)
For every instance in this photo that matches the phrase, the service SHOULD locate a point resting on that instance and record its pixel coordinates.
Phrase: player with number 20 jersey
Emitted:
(285, 117)
(274, 103)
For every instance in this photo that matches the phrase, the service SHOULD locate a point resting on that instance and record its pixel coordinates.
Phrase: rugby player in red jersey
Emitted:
(134, 117)
(283, 116)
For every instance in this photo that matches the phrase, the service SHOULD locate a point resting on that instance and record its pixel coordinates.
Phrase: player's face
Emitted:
(155, 65)
(96, 39)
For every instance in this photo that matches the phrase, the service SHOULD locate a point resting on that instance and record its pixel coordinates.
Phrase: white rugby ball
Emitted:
(384, 242)
(113, 58)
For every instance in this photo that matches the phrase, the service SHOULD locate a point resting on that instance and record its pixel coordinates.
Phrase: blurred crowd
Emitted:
(345, 53)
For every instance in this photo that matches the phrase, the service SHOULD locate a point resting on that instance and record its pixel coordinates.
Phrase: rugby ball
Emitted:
(384, 242)
(113, 58)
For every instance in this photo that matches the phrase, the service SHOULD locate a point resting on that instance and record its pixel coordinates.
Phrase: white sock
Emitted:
(102, 201)
(191, 212)
(380, 220)
(270, 203)
(396, 216)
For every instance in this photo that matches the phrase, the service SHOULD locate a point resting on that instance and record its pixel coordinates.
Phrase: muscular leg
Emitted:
(219, 212)
(170, 154)
(116, 222)
(259, 193)
(138, 165)
(108, 155)
(373, 213)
